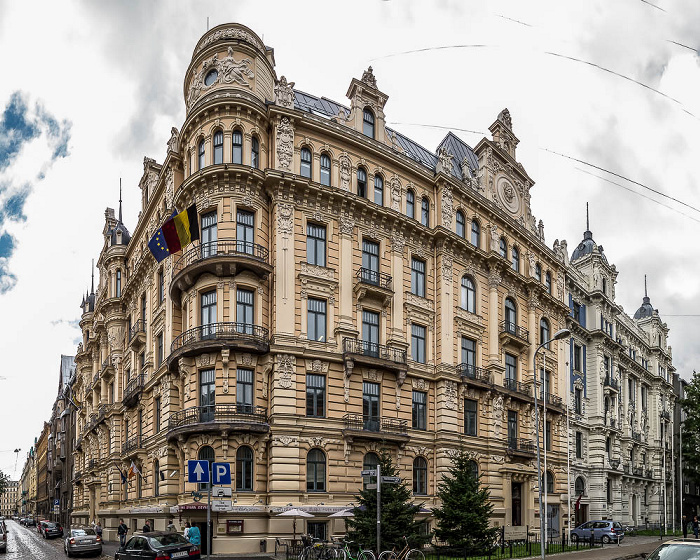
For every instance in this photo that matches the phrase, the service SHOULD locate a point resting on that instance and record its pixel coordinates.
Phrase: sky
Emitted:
(90, 88)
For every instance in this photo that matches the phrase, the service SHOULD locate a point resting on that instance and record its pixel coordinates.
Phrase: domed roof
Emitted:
(125, 235)
(646, 309)
(586, 247)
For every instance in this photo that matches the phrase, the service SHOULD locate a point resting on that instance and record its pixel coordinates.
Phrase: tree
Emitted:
(4, 479)
(690, 406)
(398, 514)
(463, 520)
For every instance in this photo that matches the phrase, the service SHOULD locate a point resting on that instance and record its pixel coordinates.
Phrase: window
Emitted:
(503, 248)
(156, 414)
(425, 212)
(315, 395)
(418, 343)
(218, 147)
(237, 147)
(244, 469)
(468, 295)
(209, 234)
(418, 277)
(159, 350)
(161, 286)
(578, 401)
(474, 467)
(538, 272)
(549, 482)
(245, 310)
(644, 397)
(579, 486)
(548, 282)
(305, 167)
(317, 530)
(420, 476)
(207, 394)
(361, 182)
(511, 370)
(255, 152)
(608, 448)
(370, 406)
(211, 77)
(410, 204)
(511, 316)
(605, 287)
(461, 224)
(370, 262)
(544, 332)
(316, 471)
(325, 170)
(476, 230)
(245, 231)
(156, 478)
(370, 463)
(200, 153)
(316, 319)
(244, 390)
(577, 357)
(548, 438)
(468, 356)
(142, 363)
(111, 399)
(419, 413)
(208, 314)
(513, 429)
(118, 291)
(368, 123)
(515, 259)
(579, 445)
(205, 453)
(316, 244)
(378, 190)
(370, 332)
(470, 408)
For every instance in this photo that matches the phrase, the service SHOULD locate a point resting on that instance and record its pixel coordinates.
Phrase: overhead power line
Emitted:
(438, 48)
(514, 20)
(438, 126)
(682, 45)
(653, 5)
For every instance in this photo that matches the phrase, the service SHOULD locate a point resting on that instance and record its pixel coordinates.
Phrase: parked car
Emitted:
(158, 544)
(3, 538)
(82, 541)
(603, 530)
(679, 549)
(29, 522)
(50, 529)
(39, 525)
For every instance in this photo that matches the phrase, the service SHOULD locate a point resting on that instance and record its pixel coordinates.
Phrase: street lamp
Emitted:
(562, 333)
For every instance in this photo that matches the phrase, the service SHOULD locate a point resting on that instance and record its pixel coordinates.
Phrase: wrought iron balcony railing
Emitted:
(221, 248)
(614, 463)
(666, 415)
(373, 278)
(362, 423)
(520, 445)
(131, 445)
(638, 471)
(468, 371)
(513, 385)
(373, 350)
(137, 328)
(133, 387)
(636, 436)
(506, 327)
(551, 399)
(219, 413)
(612, 383)
(243, 332)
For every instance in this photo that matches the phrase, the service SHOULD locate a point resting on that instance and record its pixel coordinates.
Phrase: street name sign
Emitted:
(391, 480)
(197, 471)
(221, 473)
(371, 487)
(221, 505)
(221, 492)
(369, 472)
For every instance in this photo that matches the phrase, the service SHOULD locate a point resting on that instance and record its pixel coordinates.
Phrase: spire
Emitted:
(120, 199)
(92, 270)
(645, 286)
(588, 227)
(587, 234)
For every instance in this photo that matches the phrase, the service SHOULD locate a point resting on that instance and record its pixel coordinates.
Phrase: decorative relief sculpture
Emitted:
(447, 268)
(173, 145)
(447, 208)
(346, 225)
(450, 394)
(285, 144)
(231, 71)
(285, 368)
(368, 78)
(285, 218)
(497, 415)
(169, 187)
(395, 193)
(495, 239)
(284, 93)
(345, 171)
(230, 33)
(397, 242)
(504, 117)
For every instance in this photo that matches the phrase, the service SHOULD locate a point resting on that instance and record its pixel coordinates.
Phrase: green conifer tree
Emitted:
(463, 520)
(690, 405)
(398, 517)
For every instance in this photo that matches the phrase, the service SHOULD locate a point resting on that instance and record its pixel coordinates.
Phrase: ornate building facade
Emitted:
(351, 291)
(9, 498)
(622, 397)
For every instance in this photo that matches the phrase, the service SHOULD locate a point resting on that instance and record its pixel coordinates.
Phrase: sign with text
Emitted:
(198, 471)
(391, 480)
(369, 472)
(221, 492)
(221, 505)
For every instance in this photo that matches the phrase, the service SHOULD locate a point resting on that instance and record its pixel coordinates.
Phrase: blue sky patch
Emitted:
(15, 129)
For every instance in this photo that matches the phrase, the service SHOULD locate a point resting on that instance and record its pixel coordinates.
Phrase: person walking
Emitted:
(147, 527)
(98, 529)
(121, 532)
(171, 526)
(696, 526)
(684, 526)
(194, 536)
(186, 534)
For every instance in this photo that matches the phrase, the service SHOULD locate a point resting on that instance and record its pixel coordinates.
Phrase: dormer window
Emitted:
(368, 123)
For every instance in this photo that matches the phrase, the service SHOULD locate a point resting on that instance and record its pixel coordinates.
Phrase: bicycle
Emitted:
(319, 550)
(406, 553)
(345, 554)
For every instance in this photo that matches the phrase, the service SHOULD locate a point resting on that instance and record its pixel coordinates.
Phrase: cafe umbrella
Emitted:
(294, 513)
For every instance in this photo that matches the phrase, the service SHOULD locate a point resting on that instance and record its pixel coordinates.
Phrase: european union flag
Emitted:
(158, 246)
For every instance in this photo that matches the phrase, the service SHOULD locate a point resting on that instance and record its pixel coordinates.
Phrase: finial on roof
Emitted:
(120, 199)
(92, 271)
(588, 227)
(645, 286)
(368, 78)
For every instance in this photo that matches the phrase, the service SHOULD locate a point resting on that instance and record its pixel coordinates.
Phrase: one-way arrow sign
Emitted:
(197, 471)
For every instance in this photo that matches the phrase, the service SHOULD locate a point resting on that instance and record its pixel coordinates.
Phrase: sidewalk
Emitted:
(109, 548)
(632, 549)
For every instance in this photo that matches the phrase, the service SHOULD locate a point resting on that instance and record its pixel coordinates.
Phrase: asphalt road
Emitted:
(24, 543)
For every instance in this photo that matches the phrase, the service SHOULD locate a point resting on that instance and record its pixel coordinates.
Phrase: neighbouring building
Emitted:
(44, 465)
(622, 397)
(8, 500)
(27, 484)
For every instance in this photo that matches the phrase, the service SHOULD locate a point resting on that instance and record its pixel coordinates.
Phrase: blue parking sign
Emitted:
(197, 471)
(221, 473)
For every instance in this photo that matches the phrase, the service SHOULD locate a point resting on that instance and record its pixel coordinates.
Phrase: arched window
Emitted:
(549, 483)
(579, 486)
(538, 272)
(316, 471)
(200, 152)
(237, 147)
(420, 476)
(244, 468)
(410, 204)
(361, 182)
(515, 259)
(511, 315)
(325, 170)
(206, 453)
(503, 248)
(156, 478)
(370, 463)
(425, 211)
(474, 467)
(305, 168)
(468, 295)
(118, 292)
(548, 282)
(368, 123)
(476, 230)
(378, 190)
(218, 147)
(544, 331)
(461, 224)
(255, 152)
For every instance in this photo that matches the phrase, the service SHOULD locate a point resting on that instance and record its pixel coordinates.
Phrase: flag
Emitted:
(133, 470)
(123, 476)
(158, 246)
(178, 231)
(578, 502)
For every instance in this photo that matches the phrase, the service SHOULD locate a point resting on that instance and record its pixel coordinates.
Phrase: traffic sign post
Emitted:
(221, 473)
(221, 492)
(198, 472)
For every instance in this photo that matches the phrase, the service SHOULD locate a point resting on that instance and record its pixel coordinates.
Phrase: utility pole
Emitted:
(379, 509)
(209, 539)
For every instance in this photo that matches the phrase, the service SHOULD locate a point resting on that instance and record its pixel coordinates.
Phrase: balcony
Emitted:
(521, 447)
(610, 383)
(358, 426)
(374, 355)
(610, 422)
(224, 257)
(636, 436)
(614, 463)
(371, 283)
(91, 423)
(92, 464)
(666, 415)
(522, 389)
(133, 389)
(96, 379)
(241, 337)
(553, 401)
(638, 471)
(137, 334)
(510, 333)
(649, 473)
(131, 446)
(102, 412)
(229, 418)
(79, 443)
(474, 375)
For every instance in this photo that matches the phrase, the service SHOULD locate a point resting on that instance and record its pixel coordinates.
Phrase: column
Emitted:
(532, 329)
(346, 320)
(397, 334)
(446, 283)
(494, 282)
(284, 264)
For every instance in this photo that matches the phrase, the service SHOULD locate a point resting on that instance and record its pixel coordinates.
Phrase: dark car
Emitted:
(158, 544)
(602, 530)
(3, 538)
(82, 541)
(50, 529)
(680, 549)
(29, 522)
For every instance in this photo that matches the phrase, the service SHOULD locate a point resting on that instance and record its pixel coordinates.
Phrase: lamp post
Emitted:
(562, 333)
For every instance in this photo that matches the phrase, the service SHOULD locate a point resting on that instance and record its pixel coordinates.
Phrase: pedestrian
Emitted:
(147, 527)
(194, 536)
(121, 531)
(696, 526)
(186, 534)
(684, 524)
(98, 530)
(171, 526)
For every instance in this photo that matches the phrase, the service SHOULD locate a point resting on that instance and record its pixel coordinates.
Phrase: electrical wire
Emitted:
(439, 48)
(514, 20)
(438, 126)
(653, 5)
(682, 45)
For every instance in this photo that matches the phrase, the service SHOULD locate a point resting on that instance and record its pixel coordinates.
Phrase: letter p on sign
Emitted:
(221, 473)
